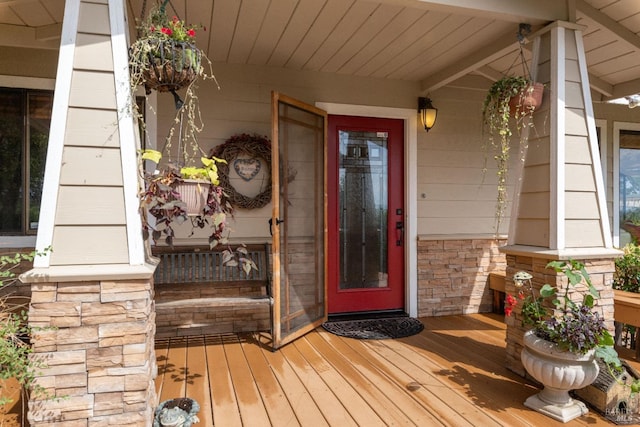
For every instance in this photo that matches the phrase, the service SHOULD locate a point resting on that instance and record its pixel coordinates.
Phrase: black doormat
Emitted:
(375, 329)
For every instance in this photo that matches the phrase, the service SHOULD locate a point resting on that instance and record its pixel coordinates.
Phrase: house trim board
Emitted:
(410, 118)
(127, 131)
(557, 154)
(593, 142)
(57, 131)
(617, 127)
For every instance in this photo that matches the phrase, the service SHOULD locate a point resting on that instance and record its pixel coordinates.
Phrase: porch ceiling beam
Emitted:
(530, 11)
(600, 85)
(620, 31)
(21, 36)
(632, 87)
(12, 2)
(49, 32)
(501, 46)
(489, 73)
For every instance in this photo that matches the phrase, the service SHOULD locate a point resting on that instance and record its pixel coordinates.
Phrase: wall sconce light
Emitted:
(427, 112)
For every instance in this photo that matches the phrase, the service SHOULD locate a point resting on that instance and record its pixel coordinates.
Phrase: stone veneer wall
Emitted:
(98, 347)
(453, 275)
(600, 271)
(211, 308)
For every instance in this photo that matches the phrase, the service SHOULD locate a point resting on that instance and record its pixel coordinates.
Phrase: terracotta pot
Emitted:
(632, 229)
(194, 193)
(529, 98)
(559, 371)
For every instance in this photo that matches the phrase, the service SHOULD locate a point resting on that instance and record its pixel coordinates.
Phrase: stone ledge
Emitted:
(236, 302)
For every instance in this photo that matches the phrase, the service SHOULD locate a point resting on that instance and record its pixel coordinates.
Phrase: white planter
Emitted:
(559, 371)
(194, 193)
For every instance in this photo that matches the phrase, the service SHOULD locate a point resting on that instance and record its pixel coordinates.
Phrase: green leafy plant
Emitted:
(165, 58)
(15, 333)
(500, 124)
(627, 274)
(556, 315)
(161, 199)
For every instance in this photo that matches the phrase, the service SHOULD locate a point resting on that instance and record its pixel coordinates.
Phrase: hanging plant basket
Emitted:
(528, 100)
(165, 65)
(194, 194)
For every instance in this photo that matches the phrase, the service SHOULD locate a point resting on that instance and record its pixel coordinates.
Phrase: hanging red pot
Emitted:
(529, 99)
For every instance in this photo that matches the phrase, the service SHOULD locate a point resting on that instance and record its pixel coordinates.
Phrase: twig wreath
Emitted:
(256, 147)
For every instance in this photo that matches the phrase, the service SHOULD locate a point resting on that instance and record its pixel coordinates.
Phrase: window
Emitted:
(629, 185)
(25, 118)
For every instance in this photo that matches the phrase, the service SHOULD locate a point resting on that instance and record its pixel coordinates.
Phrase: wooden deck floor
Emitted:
(450, 374)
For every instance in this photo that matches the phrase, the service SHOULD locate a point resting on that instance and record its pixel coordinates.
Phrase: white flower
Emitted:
(520, 277)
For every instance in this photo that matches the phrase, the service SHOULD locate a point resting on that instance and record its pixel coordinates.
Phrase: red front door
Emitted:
(366, 214)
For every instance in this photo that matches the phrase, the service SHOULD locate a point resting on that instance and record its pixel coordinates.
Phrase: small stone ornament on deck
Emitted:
(179, 412)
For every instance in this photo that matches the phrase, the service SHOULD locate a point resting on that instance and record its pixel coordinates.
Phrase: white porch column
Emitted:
(95, 289)
(560, 211)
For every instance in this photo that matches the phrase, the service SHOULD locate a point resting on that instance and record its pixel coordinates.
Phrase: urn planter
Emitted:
(559, 371)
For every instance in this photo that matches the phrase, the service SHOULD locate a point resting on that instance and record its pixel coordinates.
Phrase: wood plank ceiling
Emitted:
(428, 41)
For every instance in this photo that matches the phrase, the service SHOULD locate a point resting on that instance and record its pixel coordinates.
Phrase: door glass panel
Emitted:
(363, 178)
(629, 186)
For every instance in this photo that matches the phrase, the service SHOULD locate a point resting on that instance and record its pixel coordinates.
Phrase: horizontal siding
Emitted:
(534, 205)
(581, 206)
(579, 178)
(536, 179)
(573, 95)
(583, 233)
(91, 166)
(577, 149)
(534, 232)
(88, 127)
(90, 205)
(91, 89)
(89, 245)
(94, 17)
(93, 52)
(575, 123)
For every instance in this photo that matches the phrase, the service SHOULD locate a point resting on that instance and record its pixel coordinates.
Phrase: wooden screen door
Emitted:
(366, 214)
(298, 222)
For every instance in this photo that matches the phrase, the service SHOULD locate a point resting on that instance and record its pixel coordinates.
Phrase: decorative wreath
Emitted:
(255, 146)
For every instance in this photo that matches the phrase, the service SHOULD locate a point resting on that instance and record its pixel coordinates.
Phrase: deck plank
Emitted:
(445, 400)
(346, 391)
(223, 396)
(197, 381)
(273, 396)
(249, 400)
(379, 400)
(450, 374)
(485, 378)
(162, 353)
(332, 408)
(174, 380)
(398, 393)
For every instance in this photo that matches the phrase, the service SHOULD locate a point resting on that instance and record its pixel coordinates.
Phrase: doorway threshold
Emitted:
(362, 315)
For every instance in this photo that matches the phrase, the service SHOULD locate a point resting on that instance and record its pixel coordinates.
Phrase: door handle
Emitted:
(399, 233)
(278, 222)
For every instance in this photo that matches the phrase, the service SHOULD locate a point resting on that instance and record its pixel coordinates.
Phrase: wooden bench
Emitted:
(627, 311)
(196, 294)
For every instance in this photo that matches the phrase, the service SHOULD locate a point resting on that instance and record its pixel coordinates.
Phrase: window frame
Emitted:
(22, 240)
(617, 128)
